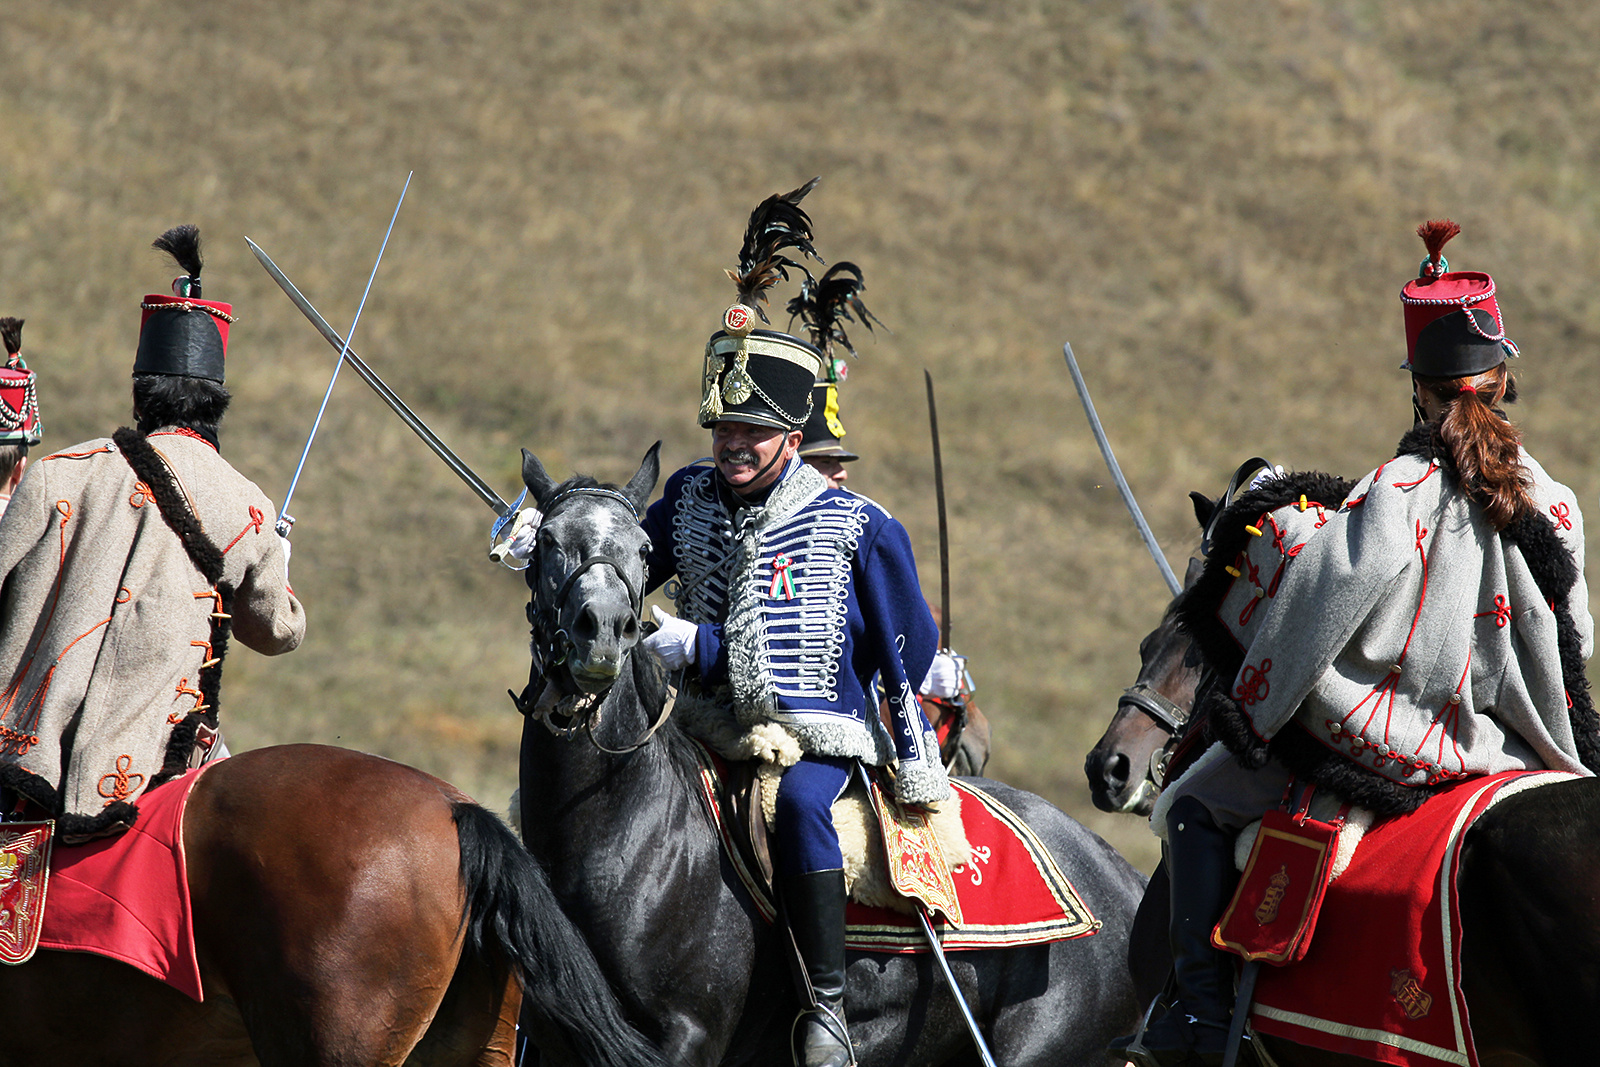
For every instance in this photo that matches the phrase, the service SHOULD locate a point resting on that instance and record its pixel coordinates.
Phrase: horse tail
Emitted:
(512, 911)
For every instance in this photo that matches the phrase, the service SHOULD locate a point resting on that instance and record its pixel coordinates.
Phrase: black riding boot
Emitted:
(1194, 1030)
(814, 904)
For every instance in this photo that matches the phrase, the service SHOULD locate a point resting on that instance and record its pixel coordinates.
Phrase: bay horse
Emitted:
(611, 805)
(1529, 885)
(349, 911)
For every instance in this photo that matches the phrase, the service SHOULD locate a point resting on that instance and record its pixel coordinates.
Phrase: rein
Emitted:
(551, 647)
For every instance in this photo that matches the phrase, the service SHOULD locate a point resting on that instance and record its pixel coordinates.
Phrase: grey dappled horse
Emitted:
(638, 863)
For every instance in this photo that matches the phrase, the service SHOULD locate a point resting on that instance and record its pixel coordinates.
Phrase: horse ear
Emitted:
(643, 483)
(1192, 575)
(1203, 508)
(533, 476)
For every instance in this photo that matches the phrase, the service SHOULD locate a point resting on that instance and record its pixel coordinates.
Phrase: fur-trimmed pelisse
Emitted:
(1549, 563)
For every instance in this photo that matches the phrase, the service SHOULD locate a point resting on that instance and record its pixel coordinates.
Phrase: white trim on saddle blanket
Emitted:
(866, 870)
(1382, 978)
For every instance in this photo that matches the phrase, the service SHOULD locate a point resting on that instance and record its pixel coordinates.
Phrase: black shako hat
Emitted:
(823, 433)
(753, 375)
(1453, 323)
(182, 334)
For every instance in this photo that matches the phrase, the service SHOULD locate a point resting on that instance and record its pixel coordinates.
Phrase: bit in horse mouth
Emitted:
(601, 675)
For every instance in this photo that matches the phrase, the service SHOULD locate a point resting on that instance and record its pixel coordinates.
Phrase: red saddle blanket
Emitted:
(1012, 893)
(1382, 978)
(127, 897)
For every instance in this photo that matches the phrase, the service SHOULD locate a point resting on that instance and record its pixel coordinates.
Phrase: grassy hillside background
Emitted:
(1212, 201)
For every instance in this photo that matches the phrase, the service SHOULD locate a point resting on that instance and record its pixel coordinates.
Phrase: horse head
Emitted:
(1126, 767)
(589, 573)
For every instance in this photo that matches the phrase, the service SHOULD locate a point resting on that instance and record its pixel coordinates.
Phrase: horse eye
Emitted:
(644, 550)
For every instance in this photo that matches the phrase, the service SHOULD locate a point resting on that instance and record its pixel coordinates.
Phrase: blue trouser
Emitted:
(806, 841)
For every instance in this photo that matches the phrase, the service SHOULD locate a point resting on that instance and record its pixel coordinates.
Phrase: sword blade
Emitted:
(338, 365)
(944, 524)
(1116, 475)
(357, 364)
(955, 990)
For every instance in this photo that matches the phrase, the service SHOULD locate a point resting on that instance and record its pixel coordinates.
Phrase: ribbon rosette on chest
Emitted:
(782, 587)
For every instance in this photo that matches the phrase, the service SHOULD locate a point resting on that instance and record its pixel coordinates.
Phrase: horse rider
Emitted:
(791, 596)
(127, 563)
(963, 729)
(1427, 625)
(19, 411)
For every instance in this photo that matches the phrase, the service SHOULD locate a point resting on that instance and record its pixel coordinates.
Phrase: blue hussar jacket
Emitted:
(801, 599)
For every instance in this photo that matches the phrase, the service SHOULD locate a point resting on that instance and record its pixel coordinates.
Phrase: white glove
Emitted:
(1264, 475)
(524, 531)
(673, 642)
(944, 677)
(287, 548)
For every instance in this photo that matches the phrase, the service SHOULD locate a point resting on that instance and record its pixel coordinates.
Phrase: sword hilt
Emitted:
(284, 524)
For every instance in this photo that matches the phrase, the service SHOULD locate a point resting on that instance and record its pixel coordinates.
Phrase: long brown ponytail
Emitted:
(1482, 443)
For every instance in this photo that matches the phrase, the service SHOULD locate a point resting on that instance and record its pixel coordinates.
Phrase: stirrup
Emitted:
(839, 1028)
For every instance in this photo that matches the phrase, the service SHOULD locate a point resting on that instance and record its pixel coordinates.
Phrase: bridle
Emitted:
(572, 711)
(1169, 715)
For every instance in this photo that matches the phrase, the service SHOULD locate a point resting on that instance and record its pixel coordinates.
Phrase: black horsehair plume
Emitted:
(777, 223)
(182, 243)
(11, 334)
(825, 304)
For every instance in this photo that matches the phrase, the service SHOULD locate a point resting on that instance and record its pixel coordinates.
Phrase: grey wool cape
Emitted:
(1383, 640)
(106, 620)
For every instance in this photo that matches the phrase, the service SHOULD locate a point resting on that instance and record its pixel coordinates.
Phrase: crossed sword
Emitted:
(506, 512)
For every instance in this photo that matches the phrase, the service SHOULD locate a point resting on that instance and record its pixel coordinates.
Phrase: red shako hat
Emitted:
(1453, 323)
(19, 393)
(182, 334)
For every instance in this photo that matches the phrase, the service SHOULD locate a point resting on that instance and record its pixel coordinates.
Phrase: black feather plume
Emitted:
(182, 243)
(11, 334)
(825, 305)
(777, 223)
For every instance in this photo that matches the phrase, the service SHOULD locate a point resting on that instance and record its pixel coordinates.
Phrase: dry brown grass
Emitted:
(1212, 201)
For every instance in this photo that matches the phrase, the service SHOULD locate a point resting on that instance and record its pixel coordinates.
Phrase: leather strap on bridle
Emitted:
(1168, 714)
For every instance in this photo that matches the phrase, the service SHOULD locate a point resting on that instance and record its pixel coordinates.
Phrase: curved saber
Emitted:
(1116, 475)
(950, 980)
(285, 520)
(357, 364)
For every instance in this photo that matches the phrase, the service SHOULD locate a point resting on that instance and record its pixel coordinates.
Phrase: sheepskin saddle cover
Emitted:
(866, 870)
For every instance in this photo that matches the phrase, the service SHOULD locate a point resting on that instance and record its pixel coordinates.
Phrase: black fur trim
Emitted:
(1196, 607)
(75, 829)
(70, 829)
(17, 779)
(150, 468)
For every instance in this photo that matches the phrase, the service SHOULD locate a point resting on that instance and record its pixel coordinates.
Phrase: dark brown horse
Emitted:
(348, 911)
(1529, 887)
(1128, 765)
